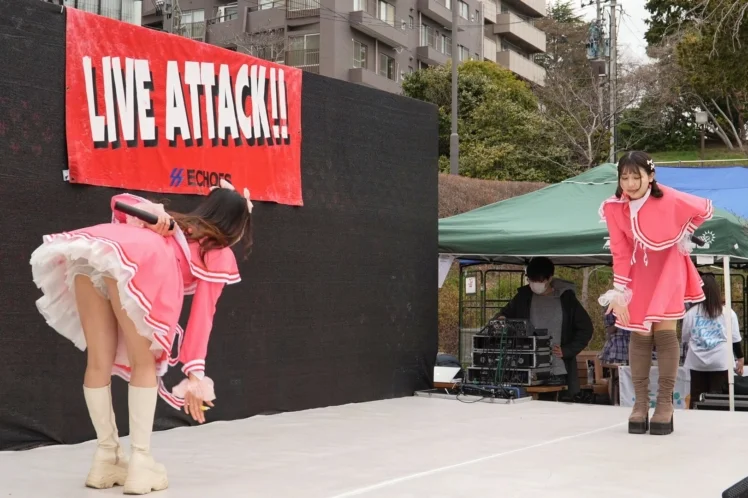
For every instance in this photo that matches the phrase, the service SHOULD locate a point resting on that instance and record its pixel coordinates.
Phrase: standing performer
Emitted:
(650, 228)
(117, 290)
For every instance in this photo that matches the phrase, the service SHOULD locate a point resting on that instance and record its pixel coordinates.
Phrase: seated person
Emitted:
(550, 303)
(616, 348)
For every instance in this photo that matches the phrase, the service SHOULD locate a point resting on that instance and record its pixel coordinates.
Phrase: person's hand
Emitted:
(739, 368)
(621, 312)
(557, 351)
(162, 227)
(193, 406)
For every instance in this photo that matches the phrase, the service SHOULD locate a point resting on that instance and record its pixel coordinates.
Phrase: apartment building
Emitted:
(370, 42)
(122, 10)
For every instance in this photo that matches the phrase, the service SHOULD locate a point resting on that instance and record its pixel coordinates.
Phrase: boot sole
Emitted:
(638, 427)
(106, 476)
(662, 428)
(144, 489)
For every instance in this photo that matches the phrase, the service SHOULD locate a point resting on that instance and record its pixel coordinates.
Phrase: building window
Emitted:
(410, 69)
(359, 54)
(448, 4)
(464, 53)
(464, 9)
(446, 46)
(228, 12)
(477, 14)
(360, 5)
(387, 67)
(303, 51)
(386, 12)
(410, 22)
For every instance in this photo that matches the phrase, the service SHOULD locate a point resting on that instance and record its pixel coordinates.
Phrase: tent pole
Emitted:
(728, 324)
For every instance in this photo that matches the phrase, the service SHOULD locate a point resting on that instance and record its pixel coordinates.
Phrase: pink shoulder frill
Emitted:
(220, 266)
(610, 200)
(664, 222)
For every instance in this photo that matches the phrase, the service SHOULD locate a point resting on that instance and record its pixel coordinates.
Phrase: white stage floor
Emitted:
(420, 448)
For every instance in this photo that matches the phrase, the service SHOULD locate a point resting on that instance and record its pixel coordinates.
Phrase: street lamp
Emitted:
(702, 118)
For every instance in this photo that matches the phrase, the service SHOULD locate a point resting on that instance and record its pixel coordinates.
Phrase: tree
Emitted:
(711, 58)
(267, 44)
(574, 100)
(668, 17)
(502, 134)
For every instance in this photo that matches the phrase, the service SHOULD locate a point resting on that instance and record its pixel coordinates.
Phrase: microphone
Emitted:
(149, 218)
(696, 240)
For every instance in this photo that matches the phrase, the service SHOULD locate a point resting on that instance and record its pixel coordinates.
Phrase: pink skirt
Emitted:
(661, 283)
(145, 267)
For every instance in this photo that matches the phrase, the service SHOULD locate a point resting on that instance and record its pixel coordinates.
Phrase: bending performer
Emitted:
(650, 226)
(116, 290)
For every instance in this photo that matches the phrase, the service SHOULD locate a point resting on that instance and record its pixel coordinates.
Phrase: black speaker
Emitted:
(739, 490)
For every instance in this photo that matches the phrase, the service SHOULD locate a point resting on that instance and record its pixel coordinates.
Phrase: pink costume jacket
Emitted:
(204, 280)
(650, 245)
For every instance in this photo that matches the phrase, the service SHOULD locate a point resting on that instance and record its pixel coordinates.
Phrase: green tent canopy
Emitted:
(561, 222)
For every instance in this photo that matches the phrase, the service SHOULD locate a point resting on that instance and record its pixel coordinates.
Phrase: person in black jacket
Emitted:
(550, 303)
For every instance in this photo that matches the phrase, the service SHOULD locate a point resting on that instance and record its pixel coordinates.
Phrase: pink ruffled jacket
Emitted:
(203, 280)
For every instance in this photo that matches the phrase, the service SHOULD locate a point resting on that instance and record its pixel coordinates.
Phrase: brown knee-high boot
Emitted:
(640, 358)
(668, 356)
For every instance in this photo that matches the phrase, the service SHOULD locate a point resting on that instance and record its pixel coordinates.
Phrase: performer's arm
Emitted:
(195, 346)
(699, 209)
(621, 248)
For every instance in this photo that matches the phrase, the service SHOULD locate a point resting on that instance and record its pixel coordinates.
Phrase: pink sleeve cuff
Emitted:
(619, 295)
(194, 367)
(202, 389)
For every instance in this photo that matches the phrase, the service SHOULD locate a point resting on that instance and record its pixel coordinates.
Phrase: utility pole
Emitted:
(612, 85)
(454, 139)
(601, 45)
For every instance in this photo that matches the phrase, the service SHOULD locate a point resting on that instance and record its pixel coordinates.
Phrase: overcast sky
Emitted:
(631, 25)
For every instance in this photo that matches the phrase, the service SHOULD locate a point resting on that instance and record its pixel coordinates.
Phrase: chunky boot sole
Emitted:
(639, 426)
(145, 475)
(662, 428)
(105, 476)
(146, 485)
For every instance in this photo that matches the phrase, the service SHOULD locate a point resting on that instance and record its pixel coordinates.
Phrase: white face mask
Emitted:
(539, 287)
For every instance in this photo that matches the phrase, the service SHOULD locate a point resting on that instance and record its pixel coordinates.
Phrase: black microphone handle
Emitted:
(149, 218)
(698, 241)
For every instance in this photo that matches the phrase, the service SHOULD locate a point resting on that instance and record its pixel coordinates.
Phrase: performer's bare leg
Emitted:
(100, 329)
(668, 356)
(99, 325)
(144, 473)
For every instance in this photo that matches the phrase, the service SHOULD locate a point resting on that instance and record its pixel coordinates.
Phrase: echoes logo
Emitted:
(196, 177)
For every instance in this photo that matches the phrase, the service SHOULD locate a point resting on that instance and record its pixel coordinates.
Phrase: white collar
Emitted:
(635, 205)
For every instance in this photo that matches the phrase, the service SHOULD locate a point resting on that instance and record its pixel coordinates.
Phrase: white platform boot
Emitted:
(144, 473)
(109, 466)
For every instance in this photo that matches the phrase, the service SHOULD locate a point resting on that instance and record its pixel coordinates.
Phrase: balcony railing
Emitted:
(301, 8)
(307, 59)
(267, 5)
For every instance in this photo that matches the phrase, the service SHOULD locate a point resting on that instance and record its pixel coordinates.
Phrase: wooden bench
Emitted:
(537, 391)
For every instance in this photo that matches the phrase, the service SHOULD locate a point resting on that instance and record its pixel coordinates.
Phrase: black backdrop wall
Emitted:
(338, 300)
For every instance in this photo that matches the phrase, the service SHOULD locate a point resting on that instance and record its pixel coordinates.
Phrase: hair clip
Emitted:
(223, 183)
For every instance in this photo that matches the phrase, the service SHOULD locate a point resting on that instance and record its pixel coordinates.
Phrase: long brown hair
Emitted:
(712, 305)
(220, 220)
(630, 163)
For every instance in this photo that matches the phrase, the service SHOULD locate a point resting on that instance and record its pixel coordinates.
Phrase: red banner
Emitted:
(137, 116)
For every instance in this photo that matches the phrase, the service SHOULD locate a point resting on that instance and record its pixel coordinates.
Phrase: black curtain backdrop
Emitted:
(338, 299)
